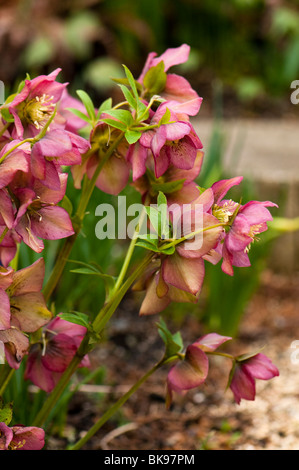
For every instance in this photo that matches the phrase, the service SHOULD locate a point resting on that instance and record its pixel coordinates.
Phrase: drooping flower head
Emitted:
(50, 356)
(244, 373)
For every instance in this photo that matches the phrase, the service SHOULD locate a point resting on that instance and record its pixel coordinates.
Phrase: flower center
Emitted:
(254, 230)
(38, 110)
(224, 212)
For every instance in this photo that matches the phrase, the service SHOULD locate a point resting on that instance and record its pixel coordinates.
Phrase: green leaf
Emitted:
(67, 204)
(173, 342)
(107, 104)
(165, 118)
(86, 100)
(5, 412)
(76, 317)
(132, 136)
(168, 187)
(129, 97)
(131, 81)
(113, 123)
(155, 79)
(148, 245)
(164, 218)
(155, 218)
(92, 270)
(79, 113)
(121, 115)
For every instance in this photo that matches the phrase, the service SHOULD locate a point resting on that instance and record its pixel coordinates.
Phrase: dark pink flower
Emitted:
(39, 217)
(50, 357)
(58, 147)
(175, 143)
(20, 437)
(176, 90)
(244, 373)
(192, 371)
(35, 104)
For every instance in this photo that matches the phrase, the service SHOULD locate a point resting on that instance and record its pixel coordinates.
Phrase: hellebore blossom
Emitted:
(172, 87)
(244, 373)
(173, 143)
(50, 356)
(35, 104)
(23, 308)
(21, 437)
(38, 216)
(193, 369)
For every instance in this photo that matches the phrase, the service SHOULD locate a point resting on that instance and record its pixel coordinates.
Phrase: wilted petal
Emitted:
(4, 310)
(16, 346)
(153, 304)
(184, 273)
(114, 175)
(29, 311)
(29, 279)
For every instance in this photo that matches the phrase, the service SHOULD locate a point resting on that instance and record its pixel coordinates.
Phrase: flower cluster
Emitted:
(38, 139)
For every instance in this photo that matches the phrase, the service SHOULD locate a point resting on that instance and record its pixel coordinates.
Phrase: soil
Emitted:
(205, 418)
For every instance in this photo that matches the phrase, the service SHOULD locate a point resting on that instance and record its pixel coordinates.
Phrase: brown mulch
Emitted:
(206, 418)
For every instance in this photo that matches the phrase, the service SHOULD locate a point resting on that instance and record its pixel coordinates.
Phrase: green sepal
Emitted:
(173, 342)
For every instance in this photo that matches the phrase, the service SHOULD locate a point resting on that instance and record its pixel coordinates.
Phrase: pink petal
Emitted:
(261, 367)
(242, 385)
(191, 372)
(55, 223)
(211, 341)
(180, 96)
(114, 175)
(220, 188)
(4, 310)
(28, 438)
(173, 56)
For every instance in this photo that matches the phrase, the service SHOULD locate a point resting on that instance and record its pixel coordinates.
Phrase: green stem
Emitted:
(77, 223)
(111, 411)
(3, 234)
(6, 374)
(190, 235)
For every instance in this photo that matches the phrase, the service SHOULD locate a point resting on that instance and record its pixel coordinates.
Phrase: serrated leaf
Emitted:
(87, 101)
(173, 342)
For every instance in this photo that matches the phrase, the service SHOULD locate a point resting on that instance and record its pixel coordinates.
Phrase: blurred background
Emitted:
(244, 56)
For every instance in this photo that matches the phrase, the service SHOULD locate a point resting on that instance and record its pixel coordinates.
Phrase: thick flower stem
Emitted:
(111, 411)
(77, 224)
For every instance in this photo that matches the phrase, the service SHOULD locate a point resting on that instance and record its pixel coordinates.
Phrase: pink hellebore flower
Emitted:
(246, 371)
(177, 90)
(35, 104)
(49, 358)
(58, 147)
(39, 217)
(21, 437)
(192, 371)
(17, 160)
(175, 143)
